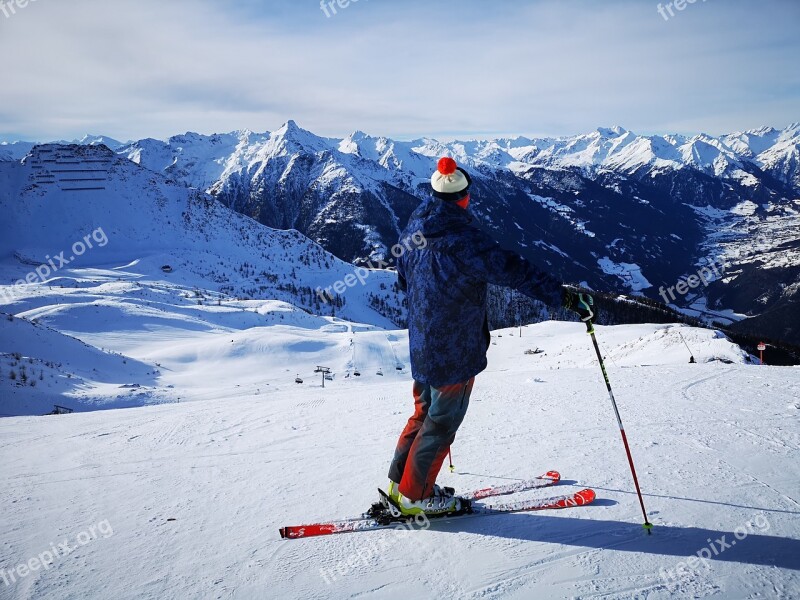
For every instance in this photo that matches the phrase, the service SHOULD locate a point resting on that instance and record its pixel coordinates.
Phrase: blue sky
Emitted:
(153, 68)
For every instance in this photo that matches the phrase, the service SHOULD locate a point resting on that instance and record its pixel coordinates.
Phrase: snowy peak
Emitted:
(359, 143)
(95, 140)
(709, 155)
(609, 132)
(291, 138)
(593, 149)
(289, 127)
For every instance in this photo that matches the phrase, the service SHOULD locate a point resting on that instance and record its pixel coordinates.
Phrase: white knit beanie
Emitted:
(449, 181)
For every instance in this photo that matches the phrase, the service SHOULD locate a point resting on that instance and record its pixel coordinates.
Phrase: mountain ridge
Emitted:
(615, 210)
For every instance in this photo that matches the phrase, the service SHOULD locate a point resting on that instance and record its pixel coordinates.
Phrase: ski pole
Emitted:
(590, 330)
(450, 454)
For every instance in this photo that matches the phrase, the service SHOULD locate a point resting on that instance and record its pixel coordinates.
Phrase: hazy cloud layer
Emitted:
(139, 68)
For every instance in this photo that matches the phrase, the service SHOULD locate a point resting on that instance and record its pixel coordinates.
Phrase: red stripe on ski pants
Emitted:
(423, 445)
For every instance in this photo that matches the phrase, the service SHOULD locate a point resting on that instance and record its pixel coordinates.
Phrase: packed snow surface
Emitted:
(182, 497)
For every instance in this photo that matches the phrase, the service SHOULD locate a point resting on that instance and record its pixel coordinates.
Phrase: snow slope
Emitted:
(137, 221)
(50, 368)
(168, 339)
(166, 330)
(184, 500)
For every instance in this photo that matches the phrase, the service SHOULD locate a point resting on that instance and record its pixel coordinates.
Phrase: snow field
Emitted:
(195, 491)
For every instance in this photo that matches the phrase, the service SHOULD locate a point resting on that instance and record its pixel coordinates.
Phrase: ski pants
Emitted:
(426, 439)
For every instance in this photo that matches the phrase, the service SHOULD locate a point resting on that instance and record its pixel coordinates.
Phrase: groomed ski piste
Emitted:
(191, 445)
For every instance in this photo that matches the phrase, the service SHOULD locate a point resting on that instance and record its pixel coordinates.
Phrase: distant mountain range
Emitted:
(615, 210)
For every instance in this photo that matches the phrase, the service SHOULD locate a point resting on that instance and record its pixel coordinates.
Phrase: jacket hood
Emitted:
(435, 218)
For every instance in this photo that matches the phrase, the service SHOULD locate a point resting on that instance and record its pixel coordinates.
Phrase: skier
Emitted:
(445, 280)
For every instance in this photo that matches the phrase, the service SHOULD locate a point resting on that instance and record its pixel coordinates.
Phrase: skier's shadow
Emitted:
(756, 548)
(698, 500)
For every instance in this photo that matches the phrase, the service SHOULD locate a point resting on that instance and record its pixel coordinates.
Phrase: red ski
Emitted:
(580, 498)
(546, 480)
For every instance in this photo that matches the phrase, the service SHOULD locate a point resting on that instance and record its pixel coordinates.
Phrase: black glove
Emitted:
(579, 302)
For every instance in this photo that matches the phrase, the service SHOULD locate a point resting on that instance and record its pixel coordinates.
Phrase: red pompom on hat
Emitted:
(446, 166)
(449, 182)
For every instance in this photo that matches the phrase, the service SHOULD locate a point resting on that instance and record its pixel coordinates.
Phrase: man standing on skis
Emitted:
(446, 285)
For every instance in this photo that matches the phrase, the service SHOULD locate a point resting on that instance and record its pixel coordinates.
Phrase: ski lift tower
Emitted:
(325, 371)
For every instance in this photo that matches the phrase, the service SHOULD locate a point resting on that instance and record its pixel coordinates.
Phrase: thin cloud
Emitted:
(149, 68)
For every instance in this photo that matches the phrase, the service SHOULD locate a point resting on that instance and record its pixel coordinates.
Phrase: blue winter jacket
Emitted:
(445, 275)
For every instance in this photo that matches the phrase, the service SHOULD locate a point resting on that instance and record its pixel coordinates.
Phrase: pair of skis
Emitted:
(380, 517)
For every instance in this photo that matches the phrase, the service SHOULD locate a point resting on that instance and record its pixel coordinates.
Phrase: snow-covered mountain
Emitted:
(68, 206)
(614, 209)
(619, 211)
(774, 151)
(290, 178)
(18, 150)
